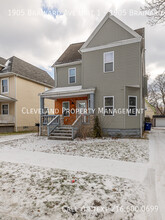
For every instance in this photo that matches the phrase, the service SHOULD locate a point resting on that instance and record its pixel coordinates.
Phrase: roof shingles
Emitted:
(29, 71)
(71, 54)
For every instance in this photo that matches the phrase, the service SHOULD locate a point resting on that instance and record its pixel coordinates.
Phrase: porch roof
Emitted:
(4, 98)
(64, 92)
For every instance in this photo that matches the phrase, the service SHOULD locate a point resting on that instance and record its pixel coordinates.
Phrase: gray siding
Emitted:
(110, 32)
(127, 71)
(62, 76)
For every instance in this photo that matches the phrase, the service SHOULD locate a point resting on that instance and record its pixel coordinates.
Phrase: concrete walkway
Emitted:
(134, 171)
(157, 168)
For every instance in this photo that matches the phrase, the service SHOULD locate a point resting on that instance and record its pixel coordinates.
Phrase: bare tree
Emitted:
(156, 93)
(155, 10)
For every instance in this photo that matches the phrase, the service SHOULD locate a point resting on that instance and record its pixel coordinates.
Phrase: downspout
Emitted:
(124, 103)
(55, 75)
(141, 91)
(15, 79)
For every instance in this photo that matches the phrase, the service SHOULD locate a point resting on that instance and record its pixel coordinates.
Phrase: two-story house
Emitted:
(103, 76)
(20, 85)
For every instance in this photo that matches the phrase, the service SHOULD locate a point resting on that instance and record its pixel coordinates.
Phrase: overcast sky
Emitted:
(38, 31)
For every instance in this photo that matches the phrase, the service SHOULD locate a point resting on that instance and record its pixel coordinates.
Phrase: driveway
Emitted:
(157, 167)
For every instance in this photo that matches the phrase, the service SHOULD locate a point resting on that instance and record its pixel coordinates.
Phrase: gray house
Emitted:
(103, 76)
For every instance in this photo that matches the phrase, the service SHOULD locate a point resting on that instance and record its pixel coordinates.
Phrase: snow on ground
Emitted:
(134, 150)
(31, 192)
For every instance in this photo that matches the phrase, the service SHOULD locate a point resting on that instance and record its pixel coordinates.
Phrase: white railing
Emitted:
(7, 119)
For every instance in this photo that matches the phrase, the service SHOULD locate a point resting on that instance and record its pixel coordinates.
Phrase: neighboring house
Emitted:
(159, 121)
(106, 72)
(20, 85)
(149, 110)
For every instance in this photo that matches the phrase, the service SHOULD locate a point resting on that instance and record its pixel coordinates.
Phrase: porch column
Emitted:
(42, 111)
(92, 103)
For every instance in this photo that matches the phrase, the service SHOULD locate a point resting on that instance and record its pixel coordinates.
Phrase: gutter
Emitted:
(24, 77)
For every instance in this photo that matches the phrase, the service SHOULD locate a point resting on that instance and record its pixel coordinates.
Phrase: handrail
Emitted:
(53, 124)
(76, 120)
(76, 126)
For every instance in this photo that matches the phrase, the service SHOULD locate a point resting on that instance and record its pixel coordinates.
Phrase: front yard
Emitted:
(28, 192)
(133, 150)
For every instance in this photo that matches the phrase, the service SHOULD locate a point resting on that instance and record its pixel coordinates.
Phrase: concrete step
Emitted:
(61, 134)
(62, 131)
(64, 128)
(59, 138)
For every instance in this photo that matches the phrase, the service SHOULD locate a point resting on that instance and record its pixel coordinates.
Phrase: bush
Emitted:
(97, 129)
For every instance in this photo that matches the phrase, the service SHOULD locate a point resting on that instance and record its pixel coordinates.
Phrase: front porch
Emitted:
(7, 114)
(73, 110)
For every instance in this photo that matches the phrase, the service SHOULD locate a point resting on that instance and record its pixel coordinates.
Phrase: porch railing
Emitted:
(45, 119)
(76, 126)
(7, 119)
(53, 124)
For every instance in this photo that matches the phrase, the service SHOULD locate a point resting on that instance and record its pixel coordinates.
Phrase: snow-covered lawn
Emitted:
(29, 192)
(134, 150)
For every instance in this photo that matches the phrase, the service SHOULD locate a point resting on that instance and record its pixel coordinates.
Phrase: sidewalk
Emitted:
(130, 170)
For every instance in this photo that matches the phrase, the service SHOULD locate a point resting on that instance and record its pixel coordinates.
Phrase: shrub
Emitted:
(97, 129)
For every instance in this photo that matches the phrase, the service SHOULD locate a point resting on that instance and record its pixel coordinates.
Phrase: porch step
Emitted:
(59, 138)
(61, 133)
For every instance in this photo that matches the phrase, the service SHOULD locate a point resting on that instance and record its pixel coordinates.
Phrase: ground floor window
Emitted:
(132, 105)
(5, 109)
(65, 108)
(109, 105)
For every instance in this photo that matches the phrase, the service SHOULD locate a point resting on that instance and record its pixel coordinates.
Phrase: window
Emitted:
(108, 105)
(65, 108)
(132, 105)
(72, 75)
(109, 61)
(5, 85)
(5, 109)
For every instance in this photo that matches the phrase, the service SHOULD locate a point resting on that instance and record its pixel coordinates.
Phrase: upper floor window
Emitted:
(72, 75)
(5, 85)
(5, 109)
(108, 62)
(132, 105)
(109, 105)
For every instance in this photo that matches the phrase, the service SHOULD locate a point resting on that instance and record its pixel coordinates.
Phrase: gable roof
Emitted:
(28, 71)
(117, 21)
(2, 61)
(71, 54)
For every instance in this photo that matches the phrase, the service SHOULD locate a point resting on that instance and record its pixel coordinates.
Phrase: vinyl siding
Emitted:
(127, 71)
(110, 32)
(62, 76)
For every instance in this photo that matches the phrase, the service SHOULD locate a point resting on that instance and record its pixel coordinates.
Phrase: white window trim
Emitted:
(104, 62)
(68, 107)
(7, 85)
(2, 108)
(108, 106)
(132, 106)
(69, 76)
